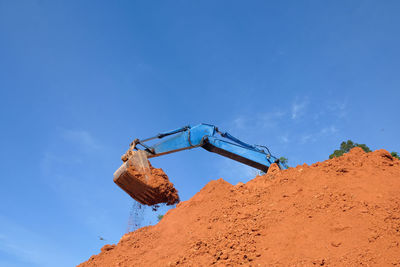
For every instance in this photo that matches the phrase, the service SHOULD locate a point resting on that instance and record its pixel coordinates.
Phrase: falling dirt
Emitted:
(340, 212)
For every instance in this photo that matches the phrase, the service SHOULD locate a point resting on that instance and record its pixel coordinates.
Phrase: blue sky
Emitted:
(80, 79)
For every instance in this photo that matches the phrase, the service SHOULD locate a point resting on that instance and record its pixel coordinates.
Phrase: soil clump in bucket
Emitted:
(144, 183)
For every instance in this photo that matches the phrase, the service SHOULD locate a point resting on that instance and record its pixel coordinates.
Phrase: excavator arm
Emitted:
(203, 135)
(210, 138)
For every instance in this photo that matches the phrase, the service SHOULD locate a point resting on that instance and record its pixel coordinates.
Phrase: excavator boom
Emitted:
(203, 135)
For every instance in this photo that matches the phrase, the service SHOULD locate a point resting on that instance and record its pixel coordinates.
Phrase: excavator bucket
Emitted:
(133, 175)
(144, 183)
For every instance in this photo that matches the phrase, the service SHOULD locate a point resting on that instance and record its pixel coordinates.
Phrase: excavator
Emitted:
(206, 136)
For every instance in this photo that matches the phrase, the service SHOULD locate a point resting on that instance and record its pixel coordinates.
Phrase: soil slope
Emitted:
(340, 212)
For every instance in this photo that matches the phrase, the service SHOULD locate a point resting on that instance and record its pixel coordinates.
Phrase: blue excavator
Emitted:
(203, 135)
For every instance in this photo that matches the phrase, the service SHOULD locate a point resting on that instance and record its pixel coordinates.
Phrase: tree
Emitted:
(395, 155)
(159, 217)
(346, 146)
(283, 161)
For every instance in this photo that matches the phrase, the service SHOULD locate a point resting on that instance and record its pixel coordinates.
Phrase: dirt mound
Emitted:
(340, 212)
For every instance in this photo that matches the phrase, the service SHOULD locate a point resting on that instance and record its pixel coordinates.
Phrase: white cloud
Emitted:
(82, 138)
(269, 119)
(298, 108)
(306, 138)
(64, 171)
(239, 122)
(30, 247)
(339, 108)
(284, 139)
(312, 137)
(263, 120)
(329, 130)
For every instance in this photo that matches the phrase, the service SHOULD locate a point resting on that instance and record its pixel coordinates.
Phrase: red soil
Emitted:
(340, 212)
(163, 190)
(149, 187)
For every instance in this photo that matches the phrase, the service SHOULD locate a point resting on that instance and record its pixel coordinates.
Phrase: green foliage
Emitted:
(159, 217)
(346, 147)
(283, 161)
(395, 155)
